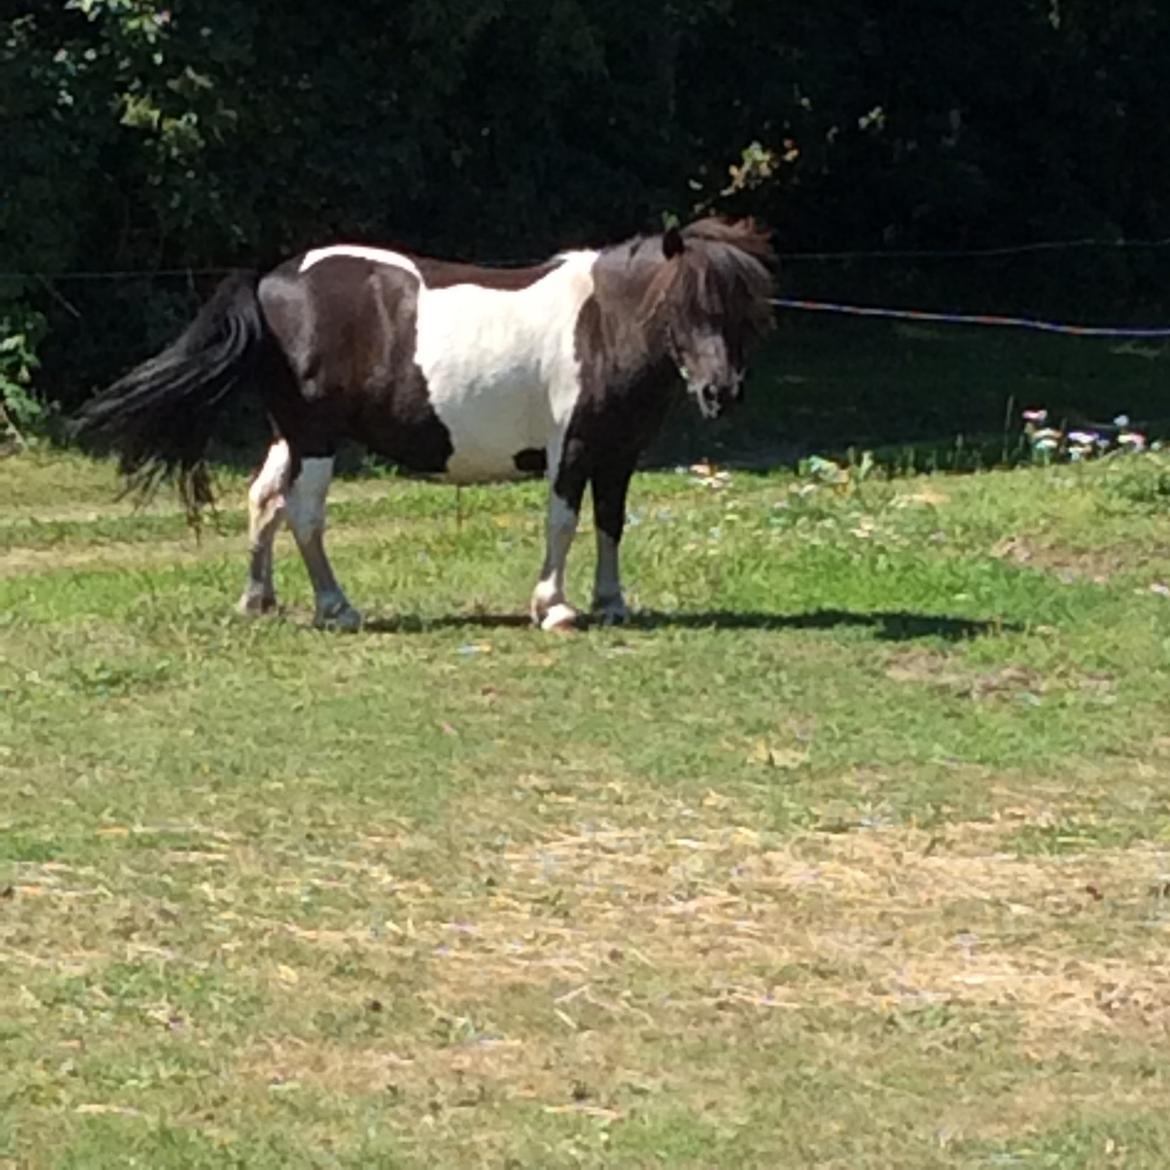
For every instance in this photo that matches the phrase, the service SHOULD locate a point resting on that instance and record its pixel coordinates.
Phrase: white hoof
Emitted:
(343, 618)
(560, 618)
(256, 604)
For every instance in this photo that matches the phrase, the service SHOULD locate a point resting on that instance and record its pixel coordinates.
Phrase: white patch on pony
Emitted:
(560, 618)
(549, 594)
(501, 368)
(266, 498)
(272, 479)
(360, 252)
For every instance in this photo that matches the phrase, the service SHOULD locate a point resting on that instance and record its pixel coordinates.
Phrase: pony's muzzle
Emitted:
(713, 400)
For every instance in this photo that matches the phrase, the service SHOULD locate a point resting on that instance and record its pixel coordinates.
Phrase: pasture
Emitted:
(850, 851)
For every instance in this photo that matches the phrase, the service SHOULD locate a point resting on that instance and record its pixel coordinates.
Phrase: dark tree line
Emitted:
(151, 135)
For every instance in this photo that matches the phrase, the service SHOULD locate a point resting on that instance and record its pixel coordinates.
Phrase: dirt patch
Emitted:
(1097, 566)
(925, 497)
(953, 675)
(936, 670)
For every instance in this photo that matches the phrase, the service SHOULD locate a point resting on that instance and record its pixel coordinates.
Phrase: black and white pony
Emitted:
(462, 373)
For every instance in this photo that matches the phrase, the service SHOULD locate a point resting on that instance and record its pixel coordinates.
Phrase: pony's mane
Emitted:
(744, 235)
(723, 273)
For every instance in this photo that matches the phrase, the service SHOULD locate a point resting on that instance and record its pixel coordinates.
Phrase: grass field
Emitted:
(853, 850)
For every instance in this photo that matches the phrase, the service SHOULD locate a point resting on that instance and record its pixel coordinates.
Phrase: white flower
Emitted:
(1082, 438)
(1132, 439)
(1037, 416)
(819, 465)
(1122, 420)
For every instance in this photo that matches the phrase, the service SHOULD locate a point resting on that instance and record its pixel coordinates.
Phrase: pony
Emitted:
(461, 373)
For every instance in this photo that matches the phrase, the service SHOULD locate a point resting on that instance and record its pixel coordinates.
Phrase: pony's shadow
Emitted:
(886, 626)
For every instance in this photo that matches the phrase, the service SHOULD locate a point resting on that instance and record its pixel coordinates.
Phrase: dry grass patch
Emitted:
(878, 910)
(163, 552)
(556, 973)
(1097, 565)
(951, 675)
(877, 907)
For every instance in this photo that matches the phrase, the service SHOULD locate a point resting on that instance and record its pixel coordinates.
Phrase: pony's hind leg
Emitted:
(306, 517)
(266, 506)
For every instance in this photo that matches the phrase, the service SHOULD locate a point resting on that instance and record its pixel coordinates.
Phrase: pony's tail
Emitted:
(159, 418)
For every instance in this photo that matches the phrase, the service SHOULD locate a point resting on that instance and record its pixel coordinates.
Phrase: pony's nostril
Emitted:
(709, 401)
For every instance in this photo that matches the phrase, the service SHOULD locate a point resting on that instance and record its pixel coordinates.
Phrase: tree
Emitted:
(144, 135)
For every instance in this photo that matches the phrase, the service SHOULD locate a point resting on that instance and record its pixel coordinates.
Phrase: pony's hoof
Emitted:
(560, 619)
(343, 619)
(611, 613)
(256, 604)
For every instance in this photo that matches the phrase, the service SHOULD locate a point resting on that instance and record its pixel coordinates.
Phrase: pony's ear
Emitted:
(672, 243)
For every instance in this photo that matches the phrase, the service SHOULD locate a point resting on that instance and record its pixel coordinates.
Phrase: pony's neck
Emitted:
(634, 329)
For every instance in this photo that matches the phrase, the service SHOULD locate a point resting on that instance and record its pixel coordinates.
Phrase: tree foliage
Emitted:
(148, 135)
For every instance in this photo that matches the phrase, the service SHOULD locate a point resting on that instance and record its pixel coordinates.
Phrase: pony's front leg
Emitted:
(610, 484)
(306, 518)
(550, 610)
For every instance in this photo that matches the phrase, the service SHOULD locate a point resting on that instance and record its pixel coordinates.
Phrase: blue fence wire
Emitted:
(993, 320)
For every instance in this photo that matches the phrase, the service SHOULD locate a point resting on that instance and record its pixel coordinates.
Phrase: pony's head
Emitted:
(712, 300)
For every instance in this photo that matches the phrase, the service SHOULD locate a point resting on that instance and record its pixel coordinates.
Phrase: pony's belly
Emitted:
(496, 426)
(469, 469)
(491, 458)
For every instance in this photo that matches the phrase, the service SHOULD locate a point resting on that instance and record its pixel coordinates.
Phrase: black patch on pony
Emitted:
(531, 461)
(348, 329)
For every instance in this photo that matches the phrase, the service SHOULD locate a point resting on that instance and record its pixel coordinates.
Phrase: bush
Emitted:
(22, 410)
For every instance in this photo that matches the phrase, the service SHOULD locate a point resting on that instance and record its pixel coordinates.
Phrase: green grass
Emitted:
(851, 850)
